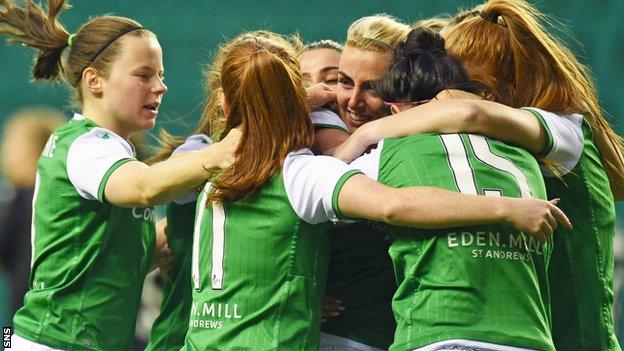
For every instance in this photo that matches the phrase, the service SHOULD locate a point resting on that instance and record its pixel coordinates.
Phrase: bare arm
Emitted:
(137, 184)
(613, 161)
(428, 207)
(487, 118)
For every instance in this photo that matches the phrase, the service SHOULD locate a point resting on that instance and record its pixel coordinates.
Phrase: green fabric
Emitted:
(484, 283)
(274, 270)
(338, 188)
(107, 175)
(90, 260)
(329, 126)
(550, 142)
(581, 269)
(170, 327)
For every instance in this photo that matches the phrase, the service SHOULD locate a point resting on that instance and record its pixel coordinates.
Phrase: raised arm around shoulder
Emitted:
(137, 184)
(483, 117)
(433, 208)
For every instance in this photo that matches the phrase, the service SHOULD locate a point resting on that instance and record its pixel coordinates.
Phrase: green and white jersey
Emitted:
(581, 268)
(360, 273)
(361, 276)
(324, 118)
(89, 257)
(259, 264)
(476, 284)
(170, 327)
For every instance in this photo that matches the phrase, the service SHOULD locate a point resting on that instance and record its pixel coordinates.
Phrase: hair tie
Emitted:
(70, 40)
(491, 17)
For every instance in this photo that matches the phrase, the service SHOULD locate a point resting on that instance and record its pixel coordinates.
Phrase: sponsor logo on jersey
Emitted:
(144, 213)
(516, 246)
(212, 315)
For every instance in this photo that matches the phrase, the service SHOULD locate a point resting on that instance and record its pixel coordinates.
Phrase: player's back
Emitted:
(481, 283)
(268, 269)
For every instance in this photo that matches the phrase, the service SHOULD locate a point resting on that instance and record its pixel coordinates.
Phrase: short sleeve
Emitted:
(565, 139)
(324, 118)
(192, 143)
(369, 162)
(93, 157)
(313, 184)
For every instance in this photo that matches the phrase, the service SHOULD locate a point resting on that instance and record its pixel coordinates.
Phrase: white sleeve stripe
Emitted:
(568, 140)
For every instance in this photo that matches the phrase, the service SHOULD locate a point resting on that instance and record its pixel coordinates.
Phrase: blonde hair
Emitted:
(436, 23)
(505, 47)
(377, 33)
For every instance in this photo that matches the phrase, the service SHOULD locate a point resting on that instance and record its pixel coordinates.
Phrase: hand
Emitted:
(226, 149)
(331, 307)
(537, 218)
(319, 95)
(357, 144)
(163, 258)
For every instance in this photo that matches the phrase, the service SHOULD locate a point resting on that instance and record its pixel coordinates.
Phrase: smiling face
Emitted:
(133, 90)
(357, 101)
(320, 66)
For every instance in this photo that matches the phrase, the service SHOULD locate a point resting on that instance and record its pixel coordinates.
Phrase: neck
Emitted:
(103, 120)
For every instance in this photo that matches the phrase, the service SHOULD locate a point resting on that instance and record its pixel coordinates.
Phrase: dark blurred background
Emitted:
(190, 31)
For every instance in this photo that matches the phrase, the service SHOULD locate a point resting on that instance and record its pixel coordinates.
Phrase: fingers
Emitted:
(559, 215)
(331, 306)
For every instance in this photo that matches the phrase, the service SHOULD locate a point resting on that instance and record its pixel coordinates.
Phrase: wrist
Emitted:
(503, 210)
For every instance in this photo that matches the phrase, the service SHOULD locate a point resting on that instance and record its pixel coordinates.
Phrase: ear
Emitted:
(225, 106)
(92, 80)
(395, 109)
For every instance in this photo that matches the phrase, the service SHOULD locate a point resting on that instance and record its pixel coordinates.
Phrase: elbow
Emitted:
(470, 116)
(148, 196)
(392, 211)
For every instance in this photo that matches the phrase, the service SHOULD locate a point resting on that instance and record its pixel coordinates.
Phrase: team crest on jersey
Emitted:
(104, 136)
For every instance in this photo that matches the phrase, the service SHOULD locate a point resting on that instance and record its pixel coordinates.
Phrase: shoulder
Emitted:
(324, 118)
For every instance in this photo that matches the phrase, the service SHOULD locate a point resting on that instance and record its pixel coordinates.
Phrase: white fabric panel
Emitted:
(369, 162)
(310, 182)
(568, 141)
(462, 344)
(91, 155)
(194, 142)
(327, 117)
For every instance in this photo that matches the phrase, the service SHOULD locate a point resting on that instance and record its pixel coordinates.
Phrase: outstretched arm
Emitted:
(483, 117)
(137, 184)
(429, 207)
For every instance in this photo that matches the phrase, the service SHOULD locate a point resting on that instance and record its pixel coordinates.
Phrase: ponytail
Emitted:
(505, 47)
(39, 29)
(261, 82)
(95, 44)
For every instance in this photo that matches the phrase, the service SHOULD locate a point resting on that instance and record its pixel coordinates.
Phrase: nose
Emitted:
(356, 100)
(160, 87)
